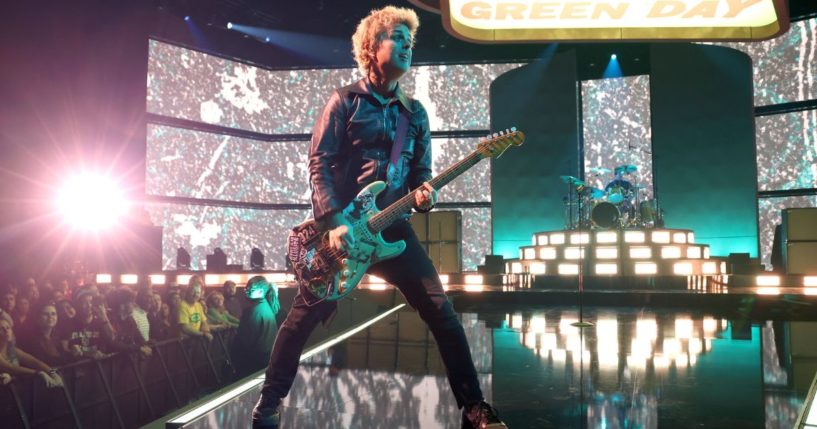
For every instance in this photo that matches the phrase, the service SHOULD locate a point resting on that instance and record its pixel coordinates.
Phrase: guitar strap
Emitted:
(393, 173)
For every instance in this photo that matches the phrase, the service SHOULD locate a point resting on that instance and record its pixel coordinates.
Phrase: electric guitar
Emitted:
(332, 274)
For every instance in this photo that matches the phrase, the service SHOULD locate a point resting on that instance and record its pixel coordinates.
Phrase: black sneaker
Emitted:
(266, 413)
(481, 416)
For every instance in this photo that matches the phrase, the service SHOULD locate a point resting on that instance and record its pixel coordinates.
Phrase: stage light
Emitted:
(473, 279)
(542, 240)
(646, 268)
(537, 268)
(375, 279)
(529, 254)
(606, 252)
(187, 18)
(91, 201)
(634, 237)
(670, 252)
(157, 279)
(640, 252)
(212, 279)
(548, 253)
(103, 279)
(277, 277)
(229, 25)
(183, 279)
(568, 269)
(709, 268)
(444, 279)
(606, 268)
(693, 252)
(613, 57)
(266, 39)
(690, 237)
(558, 238)
(810, 281)
(574, 252)
(682, 268)
(706, 254)
(516, 268)
(766, 280)
(679, 237)
(377, 286)
(606, 237)
(580, 238)
(660, 236)
(129, 279)
(256, 259)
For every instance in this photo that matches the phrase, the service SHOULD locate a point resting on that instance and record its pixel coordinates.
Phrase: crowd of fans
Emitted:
(45, 326)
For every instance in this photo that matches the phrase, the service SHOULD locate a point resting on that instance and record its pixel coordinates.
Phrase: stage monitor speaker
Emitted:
(494, 264)
(800, 257)
(800, 224)
(217, 262)
(739, 263)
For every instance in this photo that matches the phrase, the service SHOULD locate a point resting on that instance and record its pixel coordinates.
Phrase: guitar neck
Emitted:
(397, 209)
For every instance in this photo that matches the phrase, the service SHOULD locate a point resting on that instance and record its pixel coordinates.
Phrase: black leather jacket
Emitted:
(351, 146)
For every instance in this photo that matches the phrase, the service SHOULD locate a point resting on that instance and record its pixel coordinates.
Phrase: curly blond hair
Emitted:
(373, 28)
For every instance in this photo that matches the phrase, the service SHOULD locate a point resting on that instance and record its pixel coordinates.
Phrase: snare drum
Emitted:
(605, 215)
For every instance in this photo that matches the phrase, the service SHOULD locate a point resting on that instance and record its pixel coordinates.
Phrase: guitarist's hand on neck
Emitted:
(425, 197)
(341, 234)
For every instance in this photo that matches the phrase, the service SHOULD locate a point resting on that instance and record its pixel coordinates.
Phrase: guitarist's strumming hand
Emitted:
(341, 236)
(425, 197)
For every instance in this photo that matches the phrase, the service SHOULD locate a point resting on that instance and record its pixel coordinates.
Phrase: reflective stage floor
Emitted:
(678, 359)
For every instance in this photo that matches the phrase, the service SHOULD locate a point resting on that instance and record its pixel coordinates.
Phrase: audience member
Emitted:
(8, 300)
(132, 326)
(232, 302)
(257, 328)
(191, 320)
(21, 310)
(31, 292)
(65, 312)
(217, 313)
(90, 333)
(41, 339)
(15, 361)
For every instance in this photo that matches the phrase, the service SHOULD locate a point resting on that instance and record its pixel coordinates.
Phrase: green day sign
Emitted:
(498, 21)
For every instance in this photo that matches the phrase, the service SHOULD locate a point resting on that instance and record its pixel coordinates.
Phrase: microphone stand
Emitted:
(581, 324)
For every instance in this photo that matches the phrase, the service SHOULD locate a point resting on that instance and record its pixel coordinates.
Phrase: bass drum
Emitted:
(605, 215)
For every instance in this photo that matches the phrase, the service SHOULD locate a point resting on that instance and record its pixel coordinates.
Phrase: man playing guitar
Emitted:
(351, 148)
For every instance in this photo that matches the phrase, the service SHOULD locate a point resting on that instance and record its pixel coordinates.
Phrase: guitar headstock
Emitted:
(495, 144)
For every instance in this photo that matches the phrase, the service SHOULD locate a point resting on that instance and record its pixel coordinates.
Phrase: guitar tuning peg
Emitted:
(513, 129)
(501, 133)
(495, 135)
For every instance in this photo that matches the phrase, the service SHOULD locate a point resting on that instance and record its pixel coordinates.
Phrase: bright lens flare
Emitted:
(91, 201)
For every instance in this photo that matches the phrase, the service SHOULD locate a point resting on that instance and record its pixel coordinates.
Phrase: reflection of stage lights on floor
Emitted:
(767, 280)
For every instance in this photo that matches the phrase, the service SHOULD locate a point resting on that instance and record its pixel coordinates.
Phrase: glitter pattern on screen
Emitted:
(200, 229)
(202, 165)
(797, 80)
(192, 85)
(787, 151)
(769, 215)
(616, 129)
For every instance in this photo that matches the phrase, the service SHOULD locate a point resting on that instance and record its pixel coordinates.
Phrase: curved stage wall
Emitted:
(703, 146)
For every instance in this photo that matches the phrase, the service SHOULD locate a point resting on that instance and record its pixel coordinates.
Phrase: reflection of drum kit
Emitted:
(618, 205)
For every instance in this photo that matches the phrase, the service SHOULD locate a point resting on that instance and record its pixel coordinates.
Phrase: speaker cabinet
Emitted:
(440, 232)
(801, 257)
(800, 224)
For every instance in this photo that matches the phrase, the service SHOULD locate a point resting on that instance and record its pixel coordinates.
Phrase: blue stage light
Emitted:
(613, 57)
(187, 18)
(266, 39)
(229, 25)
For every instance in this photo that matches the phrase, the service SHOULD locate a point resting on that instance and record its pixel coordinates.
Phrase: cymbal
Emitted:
(599, 170)
(626, 169)
(572, 180)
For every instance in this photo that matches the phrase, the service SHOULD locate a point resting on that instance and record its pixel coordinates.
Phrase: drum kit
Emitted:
(618, 205)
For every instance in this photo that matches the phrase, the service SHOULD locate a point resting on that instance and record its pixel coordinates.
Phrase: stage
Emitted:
(668, 358)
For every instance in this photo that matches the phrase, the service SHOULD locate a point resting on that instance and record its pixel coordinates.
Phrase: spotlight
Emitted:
(187, 18)
(229, 25)
(266, 39)
(91, 201)
(613, 57)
